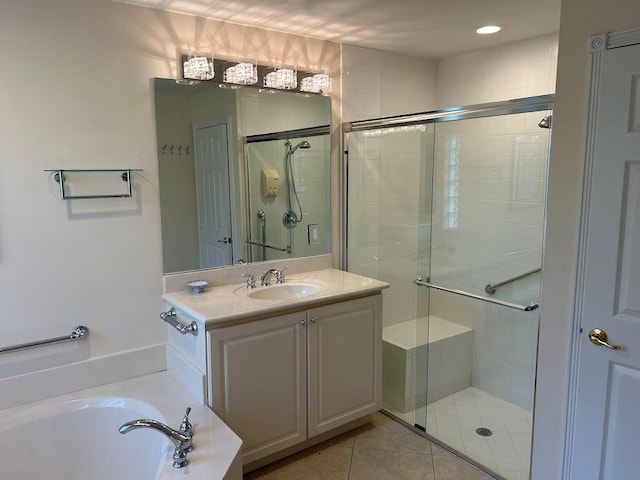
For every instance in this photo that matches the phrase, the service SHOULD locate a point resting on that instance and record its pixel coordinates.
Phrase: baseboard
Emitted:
(60, 380)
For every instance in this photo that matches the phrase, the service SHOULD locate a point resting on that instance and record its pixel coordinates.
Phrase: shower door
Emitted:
(388, 238)
(448, 207)
(490, 184)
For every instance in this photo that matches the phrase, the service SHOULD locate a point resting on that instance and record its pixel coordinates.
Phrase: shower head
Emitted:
(303, 144)
(546, 122)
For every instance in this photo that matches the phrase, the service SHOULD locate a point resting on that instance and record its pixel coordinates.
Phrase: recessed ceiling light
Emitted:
(488, 29)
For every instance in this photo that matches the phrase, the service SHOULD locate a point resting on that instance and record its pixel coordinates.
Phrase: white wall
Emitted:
(381, 84)
(579, 20)
(515, 70)
(81, 95)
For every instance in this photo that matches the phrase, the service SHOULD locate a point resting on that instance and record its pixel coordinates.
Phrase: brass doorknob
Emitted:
(600, 338)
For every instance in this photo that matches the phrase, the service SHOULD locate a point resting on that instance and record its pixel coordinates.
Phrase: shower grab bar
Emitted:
(262, 222)
(287, 249)
(524, 308)
(492, 287)
(78, 333)
(171, 317)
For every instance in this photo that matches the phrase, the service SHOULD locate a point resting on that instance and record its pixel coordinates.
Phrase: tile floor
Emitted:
(381, 450)
(453, 420)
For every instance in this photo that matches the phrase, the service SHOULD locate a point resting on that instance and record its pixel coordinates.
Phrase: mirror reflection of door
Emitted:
(211, 151)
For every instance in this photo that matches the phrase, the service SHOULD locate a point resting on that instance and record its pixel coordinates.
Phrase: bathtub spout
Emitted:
(181, 440)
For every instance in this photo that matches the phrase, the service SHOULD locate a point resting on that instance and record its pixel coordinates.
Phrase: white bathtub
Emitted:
(420, 368)
(75, 437)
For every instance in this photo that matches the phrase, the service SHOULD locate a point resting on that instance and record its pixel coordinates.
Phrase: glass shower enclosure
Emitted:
(448, 207)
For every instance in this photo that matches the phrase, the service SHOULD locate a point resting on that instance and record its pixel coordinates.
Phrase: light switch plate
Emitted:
(313, 230)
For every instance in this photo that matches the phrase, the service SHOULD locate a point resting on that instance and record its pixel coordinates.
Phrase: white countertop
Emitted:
(221, 305)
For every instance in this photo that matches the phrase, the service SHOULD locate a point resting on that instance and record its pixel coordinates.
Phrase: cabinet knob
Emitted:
(303, 323)
(313, 319)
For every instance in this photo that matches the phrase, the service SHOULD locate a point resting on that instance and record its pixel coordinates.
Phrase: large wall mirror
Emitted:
(244, 174)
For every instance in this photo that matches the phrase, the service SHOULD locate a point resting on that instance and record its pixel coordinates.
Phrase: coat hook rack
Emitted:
(171, 149)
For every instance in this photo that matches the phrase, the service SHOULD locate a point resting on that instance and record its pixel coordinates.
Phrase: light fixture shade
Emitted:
(241, 74)
(282, 79)
(197, 67)
(318, 83)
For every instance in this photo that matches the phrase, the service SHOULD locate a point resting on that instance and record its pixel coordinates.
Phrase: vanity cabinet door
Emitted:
(345, 362)
(258, 382)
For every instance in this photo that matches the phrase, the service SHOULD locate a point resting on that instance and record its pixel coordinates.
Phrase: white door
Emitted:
(605, 443)
(214, 201)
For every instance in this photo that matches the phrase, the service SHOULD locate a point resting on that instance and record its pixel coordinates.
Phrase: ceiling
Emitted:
(426, 28)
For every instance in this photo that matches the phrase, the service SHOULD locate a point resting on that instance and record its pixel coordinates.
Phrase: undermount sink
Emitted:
(283, 291)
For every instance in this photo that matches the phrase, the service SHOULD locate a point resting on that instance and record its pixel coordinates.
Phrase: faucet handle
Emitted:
(280, 274)
(185, 426)
(251, 281)
(187, 429)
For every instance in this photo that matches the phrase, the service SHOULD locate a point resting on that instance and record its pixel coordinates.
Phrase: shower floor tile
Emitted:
(454, 419)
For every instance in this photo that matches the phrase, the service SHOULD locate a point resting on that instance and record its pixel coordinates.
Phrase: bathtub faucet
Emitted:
(181, 439)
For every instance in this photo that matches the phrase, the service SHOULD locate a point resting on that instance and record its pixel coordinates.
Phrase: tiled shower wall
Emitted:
(487, 226)
(388, 203)
(514, 180)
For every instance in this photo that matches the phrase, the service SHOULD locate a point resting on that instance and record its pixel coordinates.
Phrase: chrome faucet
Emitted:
(265, 280)
(182, 440)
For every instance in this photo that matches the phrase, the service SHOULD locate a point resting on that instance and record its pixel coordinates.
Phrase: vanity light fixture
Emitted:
(282, 79)
(489, 29)
(318, 83)
(197, 67)
(241, 74)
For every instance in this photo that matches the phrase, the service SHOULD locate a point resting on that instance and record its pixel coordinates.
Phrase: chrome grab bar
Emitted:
(492, 287)
(525, 308)
(171, 317)
(287, 249)
(262, 221)
(78, 333)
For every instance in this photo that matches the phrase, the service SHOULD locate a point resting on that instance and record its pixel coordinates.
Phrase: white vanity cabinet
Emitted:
(282, 380)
